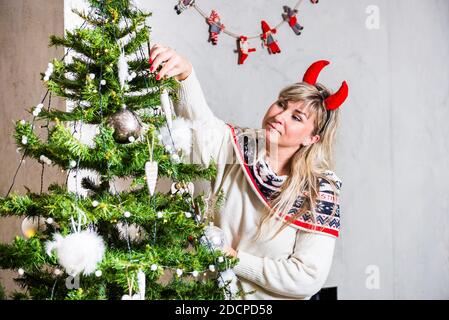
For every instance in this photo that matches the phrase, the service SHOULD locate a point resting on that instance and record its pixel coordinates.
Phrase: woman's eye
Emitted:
(297, 118)
(282, 104)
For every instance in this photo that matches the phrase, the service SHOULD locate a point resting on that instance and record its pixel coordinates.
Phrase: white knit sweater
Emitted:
(293, 265)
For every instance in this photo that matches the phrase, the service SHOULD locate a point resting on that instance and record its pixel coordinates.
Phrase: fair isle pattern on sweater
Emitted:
(267, 183)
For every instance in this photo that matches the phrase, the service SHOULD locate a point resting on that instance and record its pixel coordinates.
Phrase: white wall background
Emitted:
(393, 150)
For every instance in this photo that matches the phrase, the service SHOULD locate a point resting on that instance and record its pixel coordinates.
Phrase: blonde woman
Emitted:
(281, 213)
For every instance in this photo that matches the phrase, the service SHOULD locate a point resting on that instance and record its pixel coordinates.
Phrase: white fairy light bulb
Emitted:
(22, 122)
(131, 139)
(212, 268)
(160, 214)
(72, 164)
(103, 82)
(127, 214)
(195, 273)
(179, 272)
(92, 76)
(57, 272)
(220, 259)
(49, 221)
(21, 272)
(188, 215)
(95, 203)
(153, 267)
(98, 273)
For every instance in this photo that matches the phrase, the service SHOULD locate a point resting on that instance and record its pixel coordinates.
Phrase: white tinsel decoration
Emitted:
(78, 252)
(151, 168)
(122, 68)
(166, 107)
(181, 133)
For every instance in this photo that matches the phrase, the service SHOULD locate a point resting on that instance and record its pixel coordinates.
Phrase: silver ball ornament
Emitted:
(126, 124)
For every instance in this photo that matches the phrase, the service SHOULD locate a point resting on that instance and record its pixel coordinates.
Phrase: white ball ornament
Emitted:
(78, 252)
(31, 225)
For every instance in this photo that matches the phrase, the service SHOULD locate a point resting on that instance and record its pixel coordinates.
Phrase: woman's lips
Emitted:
(273, 127)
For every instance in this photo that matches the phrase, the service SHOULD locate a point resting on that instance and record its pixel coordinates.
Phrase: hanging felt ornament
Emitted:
(268, 40)
(244, 49)
(166, 107)
(122, 67)
(215, 27)
(183, 5)
(289, 16)
(151, 168)
(141, 284)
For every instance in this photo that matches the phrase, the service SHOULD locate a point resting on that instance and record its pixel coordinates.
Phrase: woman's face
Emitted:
(289, 124)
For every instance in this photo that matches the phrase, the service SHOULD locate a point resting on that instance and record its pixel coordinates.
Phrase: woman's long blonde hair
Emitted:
(309, 163)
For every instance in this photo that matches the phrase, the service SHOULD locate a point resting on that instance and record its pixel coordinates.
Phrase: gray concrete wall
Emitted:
(25, 26)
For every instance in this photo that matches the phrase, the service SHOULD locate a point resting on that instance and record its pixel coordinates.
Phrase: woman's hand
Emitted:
(173, 64)
(230, 251)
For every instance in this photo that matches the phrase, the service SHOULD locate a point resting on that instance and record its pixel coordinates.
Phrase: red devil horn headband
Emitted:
(335, 100)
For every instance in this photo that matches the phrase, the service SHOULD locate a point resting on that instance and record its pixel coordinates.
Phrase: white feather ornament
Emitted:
(122, 68)
(181, 132)
(166, 107)
(151, 168)
(78, 252)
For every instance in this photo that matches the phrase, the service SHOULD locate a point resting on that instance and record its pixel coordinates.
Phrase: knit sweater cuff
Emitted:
(249, 267)
(188, 86)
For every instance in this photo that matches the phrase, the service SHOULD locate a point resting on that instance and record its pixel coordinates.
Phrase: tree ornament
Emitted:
(126, 124)
(268, 40)
(215, 27)
(166, 107)
(31, 225)
(213, 238)
(153, 267)
(183, 5)
(133, 231)
(78, 252)
(228, 280)
(98, 273)
(151, 169)
(127, 214)
(21, 272)
(244, 49)
(289, 16)
(122, 67)
(141, 284)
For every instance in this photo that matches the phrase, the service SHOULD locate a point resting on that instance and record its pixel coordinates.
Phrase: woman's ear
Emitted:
(311, 140)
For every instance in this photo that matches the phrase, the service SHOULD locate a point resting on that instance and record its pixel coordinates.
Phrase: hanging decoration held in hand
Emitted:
(216, 26)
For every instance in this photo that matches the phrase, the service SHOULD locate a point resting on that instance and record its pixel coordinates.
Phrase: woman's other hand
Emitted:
(173, 64)
(230, 251)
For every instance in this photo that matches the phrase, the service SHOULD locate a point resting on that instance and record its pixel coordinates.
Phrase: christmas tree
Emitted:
(96, 242)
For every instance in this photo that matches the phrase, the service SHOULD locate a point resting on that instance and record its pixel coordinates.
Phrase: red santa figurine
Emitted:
(268, 39)
(244, 49)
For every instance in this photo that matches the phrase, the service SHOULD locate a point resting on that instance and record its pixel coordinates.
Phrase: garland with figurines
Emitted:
(216, 27)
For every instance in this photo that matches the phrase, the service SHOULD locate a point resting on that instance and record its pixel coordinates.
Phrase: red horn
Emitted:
(337, 99)
(313, 72)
